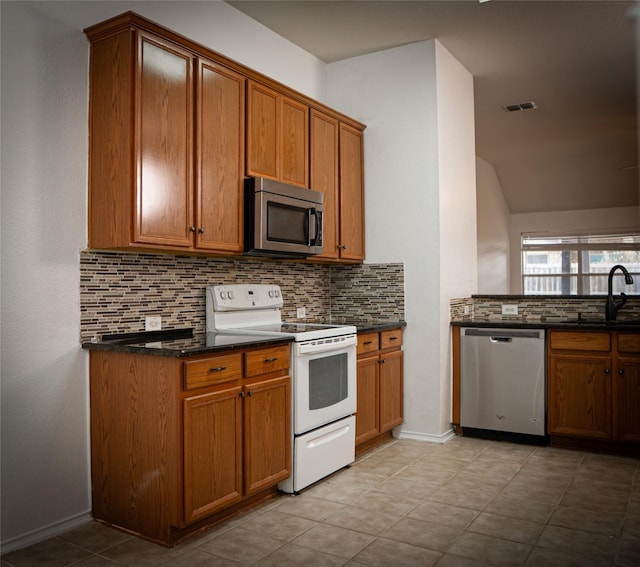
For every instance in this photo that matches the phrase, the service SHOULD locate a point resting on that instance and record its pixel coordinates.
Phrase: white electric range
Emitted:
(323, 372)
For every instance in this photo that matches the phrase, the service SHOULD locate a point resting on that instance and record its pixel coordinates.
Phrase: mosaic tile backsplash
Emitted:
(533, 309)
(118, 290)
(373, 292)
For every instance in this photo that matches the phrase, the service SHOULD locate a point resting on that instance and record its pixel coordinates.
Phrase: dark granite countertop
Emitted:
(368, 325)
(184, 342)
(179, 342)
(568, 324)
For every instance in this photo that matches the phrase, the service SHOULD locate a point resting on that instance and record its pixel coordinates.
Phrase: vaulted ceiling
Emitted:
(575, 59)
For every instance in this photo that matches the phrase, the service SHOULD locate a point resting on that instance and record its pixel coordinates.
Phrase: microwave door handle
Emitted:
(311, 238)
(317, 241)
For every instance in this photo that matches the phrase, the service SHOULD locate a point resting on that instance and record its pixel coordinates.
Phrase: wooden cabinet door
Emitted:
(351, 194)
(277, 136)
(391, 390)
(367, 412)
(627, 400)
(263, 131)
(580, 396)
(294, 143)
(267, 433)
(220, 158)
(212, 452)
(164, 143)
(324, 176)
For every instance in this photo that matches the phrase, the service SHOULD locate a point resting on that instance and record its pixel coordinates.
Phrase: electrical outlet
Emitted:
(509, 309)
(153, 323)
(466, 310)
(301, 312)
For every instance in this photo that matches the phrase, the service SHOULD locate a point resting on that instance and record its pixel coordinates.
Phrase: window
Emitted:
(579, 264)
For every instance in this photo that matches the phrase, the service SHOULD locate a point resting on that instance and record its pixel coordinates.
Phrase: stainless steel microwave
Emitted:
(282, 220)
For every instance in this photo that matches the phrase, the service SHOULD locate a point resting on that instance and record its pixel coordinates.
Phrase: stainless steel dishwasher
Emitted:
(502, 375)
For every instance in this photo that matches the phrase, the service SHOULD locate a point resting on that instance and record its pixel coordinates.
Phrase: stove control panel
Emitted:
(242, 297)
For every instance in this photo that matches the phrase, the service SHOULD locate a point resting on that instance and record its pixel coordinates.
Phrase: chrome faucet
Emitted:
(612, 306)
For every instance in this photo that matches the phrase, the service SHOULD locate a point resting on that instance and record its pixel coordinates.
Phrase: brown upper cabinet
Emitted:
(219, 158)
(325, 177)
(174, 127)
(148, 188)
(351, 207)
(337, 171)
(277, 136)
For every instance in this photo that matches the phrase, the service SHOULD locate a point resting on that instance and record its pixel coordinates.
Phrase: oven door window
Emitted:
(328, 381)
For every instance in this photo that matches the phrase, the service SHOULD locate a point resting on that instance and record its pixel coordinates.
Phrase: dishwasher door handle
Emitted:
(501, 339)
(502, 333)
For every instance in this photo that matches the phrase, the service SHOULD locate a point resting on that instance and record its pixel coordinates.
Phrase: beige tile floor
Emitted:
(464, 503)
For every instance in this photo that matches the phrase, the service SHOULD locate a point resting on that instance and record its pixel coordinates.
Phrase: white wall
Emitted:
(45, 443)
(493, 232)
(457, 199)
(411, 185)
(569, 221)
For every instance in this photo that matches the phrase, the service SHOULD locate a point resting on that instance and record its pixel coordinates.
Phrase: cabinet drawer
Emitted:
(390, 339)
(567, 340)
(628, 343)
(368, 342)
(214, 370)
(266, 360)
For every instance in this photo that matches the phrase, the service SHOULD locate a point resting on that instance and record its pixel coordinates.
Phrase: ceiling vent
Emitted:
(521, 106)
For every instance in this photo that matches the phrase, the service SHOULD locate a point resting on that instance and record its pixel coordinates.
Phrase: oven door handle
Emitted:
(311, 348)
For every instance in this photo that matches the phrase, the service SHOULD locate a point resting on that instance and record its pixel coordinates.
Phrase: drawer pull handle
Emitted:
(367, 342)
(393, 338)
(271, 359)
(217, 369)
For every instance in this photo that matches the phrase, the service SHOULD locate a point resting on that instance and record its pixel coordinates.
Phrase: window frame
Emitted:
(581, 244)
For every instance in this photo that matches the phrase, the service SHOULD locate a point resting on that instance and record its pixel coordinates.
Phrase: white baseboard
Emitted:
(46, 532)
(418, 436)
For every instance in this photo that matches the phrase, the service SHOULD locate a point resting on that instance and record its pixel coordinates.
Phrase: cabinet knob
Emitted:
(201, 230)
(192, 228)
(383, 361)
(242, 394)
(607, 371)
(250, 393)
(620, 371)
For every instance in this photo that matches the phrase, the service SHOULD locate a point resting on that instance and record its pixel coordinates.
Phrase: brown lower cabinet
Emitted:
(181, 443)
(380, 386)
(593, 382)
